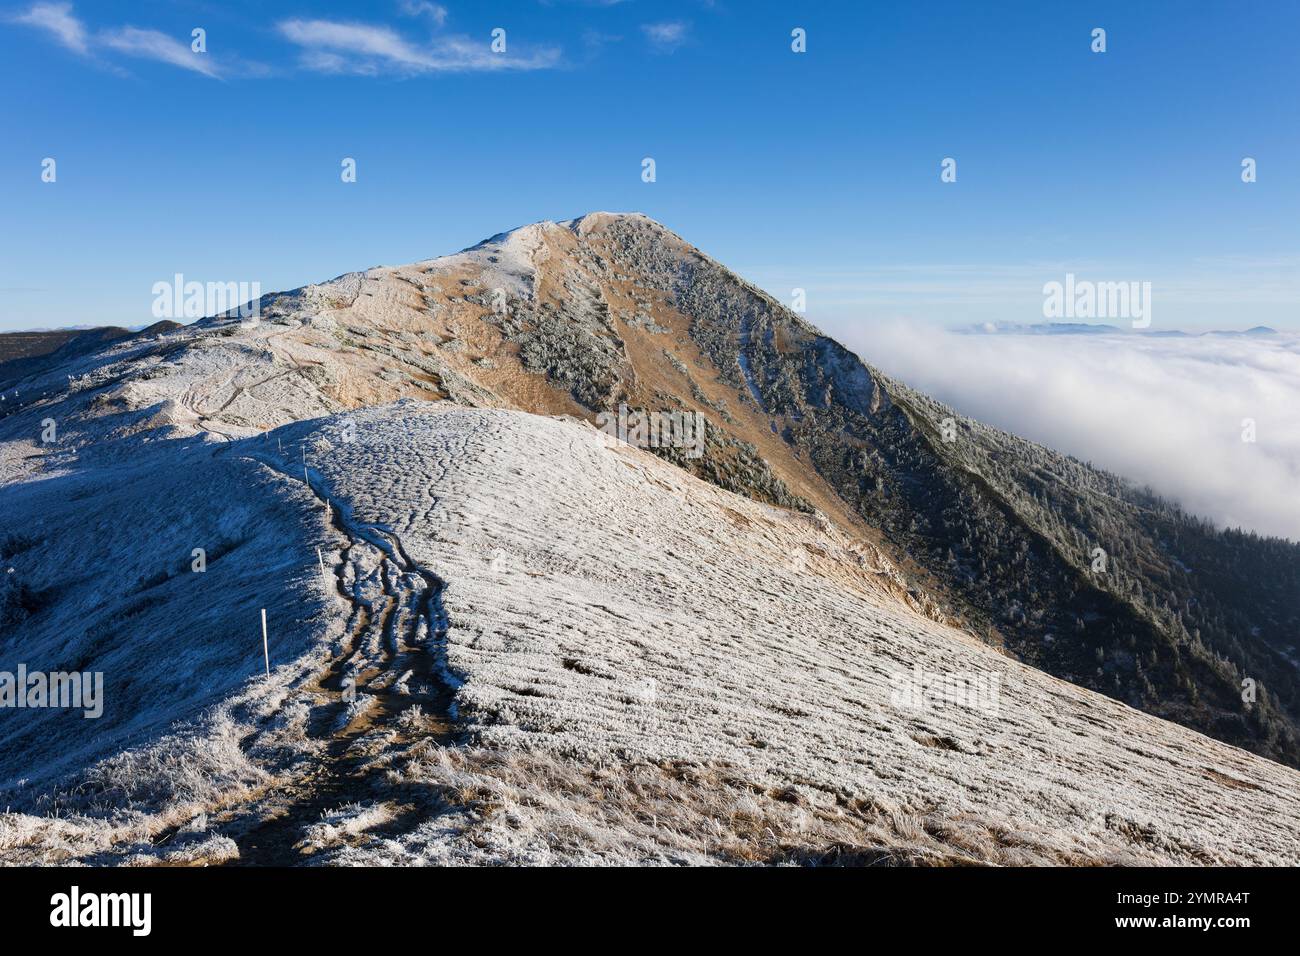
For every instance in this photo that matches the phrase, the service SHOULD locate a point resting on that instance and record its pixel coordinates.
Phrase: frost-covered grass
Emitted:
(112, 570)
(646, 668)
(340, 825)
(638, 646)
(516, 806)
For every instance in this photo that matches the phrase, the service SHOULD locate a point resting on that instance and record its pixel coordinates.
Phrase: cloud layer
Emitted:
(1167, 412)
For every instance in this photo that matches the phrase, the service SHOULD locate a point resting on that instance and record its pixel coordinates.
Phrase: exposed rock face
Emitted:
(522, 641)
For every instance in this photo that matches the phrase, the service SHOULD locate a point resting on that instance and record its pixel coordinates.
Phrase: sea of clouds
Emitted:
(1163, 411)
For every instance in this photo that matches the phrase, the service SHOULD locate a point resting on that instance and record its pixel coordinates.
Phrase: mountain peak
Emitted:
(579, 225)
(599, 219)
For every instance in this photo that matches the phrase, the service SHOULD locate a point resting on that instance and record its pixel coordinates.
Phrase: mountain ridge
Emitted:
(579, 316)
(497, 633)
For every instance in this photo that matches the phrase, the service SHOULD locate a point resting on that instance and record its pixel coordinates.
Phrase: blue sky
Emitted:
(817, 170)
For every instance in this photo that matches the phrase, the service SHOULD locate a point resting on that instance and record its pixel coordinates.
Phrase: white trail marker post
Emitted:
(266, 652)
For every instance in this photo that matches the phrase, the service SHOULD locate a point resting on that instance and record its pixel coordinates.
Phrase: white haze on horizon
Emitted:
(1163, 411)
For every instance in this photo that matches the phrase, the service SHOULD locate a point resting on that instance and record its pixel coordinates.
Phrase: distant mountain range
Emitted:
(1085, 328)
(28, 352)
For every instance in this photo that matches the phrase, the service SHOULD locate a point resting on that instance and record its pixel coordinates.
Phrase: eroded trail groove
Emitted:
(385, 688)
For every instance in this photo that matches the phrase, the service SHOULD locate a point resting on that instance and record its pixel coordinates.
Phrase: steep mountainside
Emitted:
(982, 530)
(1170, 618)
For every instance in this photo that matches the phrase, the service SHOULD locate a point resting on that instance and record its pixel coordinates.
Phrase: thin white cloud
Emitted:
(62, 24)
(153, 45)
(332, 39)
(667, 36)
(595, 40)
(57, 20)
(423, 8)
(347, 47)
(1162, 411)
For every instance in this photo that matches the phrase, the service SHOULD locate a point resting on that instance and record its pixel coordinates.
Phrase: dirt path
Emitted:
(393, 660)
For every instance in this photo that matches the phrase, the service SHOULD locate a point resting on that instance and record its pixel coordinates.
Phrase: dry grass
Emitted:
(533, 807)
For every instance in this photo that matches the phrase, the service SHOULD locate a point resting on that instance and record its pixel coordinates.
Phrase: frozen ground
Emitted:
(495, 639)
(620, 664)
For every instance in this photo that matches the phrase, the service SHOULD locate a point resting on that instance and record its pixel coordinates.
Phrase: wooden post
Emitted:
(266, 652)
